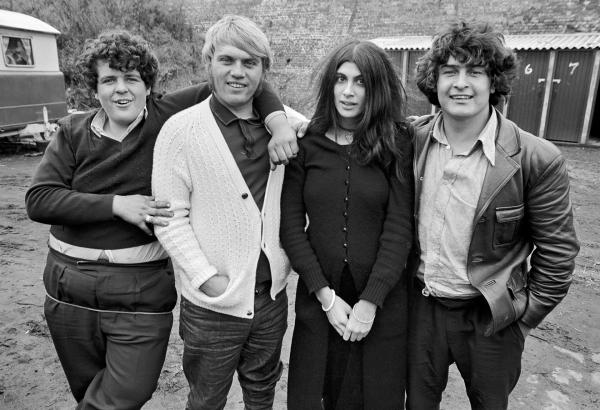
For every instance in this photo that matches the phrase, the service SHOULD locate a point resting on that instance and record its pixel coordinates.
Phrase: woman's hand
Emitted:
(140, 210)
(360, 321)
(338, 313)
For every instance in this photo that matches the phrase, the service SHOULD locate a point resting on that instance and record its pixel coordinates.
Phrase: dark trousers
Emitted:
(216, 345)
(110, 325)
(440, 335)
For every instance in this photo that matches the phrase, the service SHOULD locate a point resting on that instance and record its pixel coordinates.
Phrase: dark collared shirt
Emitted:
(247, 140)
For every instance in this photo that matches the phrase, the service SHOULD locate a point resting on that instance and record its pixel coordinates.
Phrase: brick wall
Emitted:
(302, 31)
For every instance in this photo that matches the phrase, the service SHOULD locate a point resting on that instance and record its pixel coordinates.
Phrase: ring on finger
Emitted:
(148, 219)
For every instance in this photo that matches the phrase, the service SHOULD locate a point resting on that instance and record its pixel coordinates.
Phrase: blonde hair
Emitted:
(240, 32)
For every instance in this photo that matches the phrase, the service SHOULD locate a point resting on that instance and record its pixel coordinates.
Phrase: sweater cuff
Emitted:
(375, 291)
(106, 207)
(314, 280)
(271, 117)
(203, 276)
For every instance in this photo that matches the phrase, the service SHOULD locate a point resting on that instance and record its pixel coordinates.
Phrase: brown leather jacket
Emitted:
(523, 211)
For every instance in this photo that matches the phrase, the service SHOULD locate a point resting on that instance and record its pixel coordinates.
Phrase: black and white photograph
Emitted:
(299, 204)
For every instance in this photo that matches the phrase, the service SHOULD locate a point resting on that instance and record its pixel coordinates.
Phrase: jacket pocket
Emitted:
(508, 222)
(518, 293)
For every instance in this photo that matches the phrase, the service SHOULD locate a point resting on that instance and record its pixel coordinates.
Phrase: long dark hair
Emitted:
(381, 134)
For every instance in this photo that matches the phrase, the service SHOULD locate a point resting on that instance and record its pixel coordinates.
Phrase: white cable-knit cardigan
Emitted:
(217, 225)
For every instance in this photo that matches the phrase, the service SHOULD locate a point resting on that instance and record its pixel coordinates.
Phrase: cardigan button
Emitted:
(348, 168)
(345, 245)
(346, 182)
(345, 260)
(244, 195)
(345, 229)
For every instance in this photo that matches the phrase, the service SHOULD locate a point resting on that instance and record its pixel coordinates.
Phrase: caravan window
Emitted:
(17, 51)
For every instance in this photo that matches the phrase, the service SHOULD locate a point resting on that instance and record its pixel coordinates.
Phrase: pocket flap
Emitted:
(510, 213)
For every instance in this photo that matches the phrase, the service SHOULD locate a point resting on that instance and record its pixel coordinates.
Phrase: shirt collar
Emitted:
(222, 113)
(487, 136)
(100, 119)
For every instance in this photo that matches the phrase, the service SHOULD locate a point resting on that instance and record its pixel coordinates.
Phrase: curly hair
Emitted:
(123, 51)
(381, 135)
(476, 44)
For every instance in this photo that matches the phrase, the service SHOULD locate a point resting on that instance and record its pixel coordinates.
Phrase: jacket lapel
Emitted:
(507, 145)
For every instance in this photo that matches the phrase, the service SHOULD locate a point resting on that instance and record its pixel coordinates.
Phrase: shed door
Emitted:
(570, 88)
(527, 97)
(418, 104)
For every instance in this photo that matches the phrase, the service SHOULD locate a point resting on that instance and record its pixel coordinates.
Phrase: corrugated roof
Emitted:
(11, 19)
(403, 42)
(554, 41)
(517, 42)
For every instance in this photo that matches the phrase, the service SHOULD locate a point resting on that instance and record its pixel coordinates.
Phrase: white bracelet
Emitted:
(362, 321)
(328, 308)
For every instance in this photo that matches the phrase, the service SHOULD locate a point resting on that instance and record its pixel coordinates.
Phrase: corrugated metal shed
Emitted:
(404, 42)
(11, 19)
(575, 41)
(554, 95)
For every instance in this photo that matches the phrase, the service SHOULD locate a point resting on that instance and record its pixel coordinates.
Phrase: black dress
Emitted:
(357, 242)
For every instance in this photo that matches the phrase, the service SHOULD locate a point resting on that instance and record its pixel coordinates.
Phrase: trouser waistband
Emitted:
(106, 266)
(109, 287)
(450, 303)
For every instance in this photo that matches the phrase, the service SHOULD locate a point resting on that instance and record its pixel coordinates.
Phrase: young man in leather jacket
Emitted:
(496, 243)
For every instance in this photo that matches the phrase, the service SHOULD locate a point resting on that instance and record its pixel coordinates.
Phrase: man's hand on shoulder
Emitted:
(282, 146)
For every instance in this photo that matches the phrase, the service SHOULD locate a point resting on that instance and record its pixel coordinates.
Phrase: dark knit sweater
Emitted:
(358, 215)
(80, 173)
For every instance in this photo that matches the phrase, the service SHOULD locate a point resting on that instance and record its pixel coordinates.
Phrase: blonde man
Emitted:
(211, 162)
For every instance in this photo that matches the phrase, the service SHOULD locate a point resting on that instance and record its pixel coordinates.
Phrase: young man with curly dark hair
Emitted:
(495, 228)
(110, 288)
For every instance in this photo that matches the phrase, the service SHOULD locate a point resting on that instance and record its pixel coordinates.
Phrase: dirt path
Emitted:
(561, 364)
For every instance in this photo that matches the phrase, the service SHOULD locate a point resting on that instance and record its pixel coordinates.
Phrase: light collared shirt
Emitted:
(452, 184)
(100, 119)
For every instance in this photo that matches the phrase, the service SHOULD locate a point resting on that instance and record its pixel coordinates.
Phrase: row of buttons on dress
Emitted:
(346, 200)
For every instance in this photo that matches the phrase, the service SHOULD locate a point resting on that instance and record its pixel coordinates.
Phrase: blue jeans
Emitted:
(216, 345)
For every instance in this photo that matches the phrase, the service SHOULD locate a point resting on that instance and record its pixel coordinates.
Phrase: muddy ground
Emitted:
(561, 363)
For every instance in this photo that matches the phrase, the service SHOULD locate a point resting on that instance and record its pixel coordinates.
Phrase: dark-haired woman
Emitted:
(353, 182)
(110, 290)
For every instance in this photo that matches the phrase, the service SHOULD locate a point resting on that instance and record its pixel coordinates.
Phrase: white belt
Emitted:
(149, 252)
